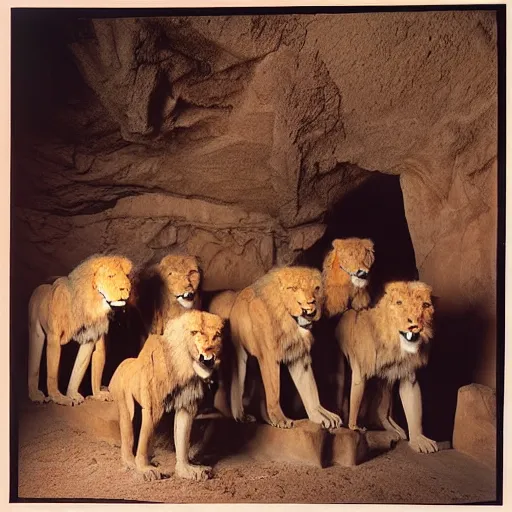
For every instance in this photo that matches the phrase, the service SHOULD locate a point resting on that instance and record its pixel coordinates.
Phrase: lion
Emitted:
(166, 290)
(391, 341)
(345, 275)
(271, 320)
(168, 375)
(75, 307)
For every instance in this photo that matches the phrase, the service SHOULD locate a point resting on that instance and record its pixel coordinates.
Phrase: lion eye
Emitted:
(111, 276)
(292, 288)
(398, 302)
(193, 332)
(426, 305)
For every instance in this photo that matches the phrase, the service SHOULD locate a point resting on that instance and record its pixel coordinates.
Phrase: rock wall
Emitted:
(232, 137)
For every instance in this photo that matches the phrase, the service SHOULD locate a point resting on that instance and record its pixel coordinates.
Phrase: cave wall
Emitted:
(234, 137)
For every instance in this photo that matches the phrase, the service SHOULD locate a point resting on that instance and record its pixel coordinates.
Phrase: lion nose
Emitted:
(413, 327)
(362, 274)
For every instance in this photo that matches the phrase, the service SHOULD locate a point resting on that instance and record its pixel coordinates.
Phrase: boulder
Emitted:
(474, 432)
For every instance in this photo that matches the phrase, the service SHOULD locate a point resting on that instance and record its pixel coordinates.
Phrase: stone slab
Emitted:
(474, 431)
(349, 448)
(306, 444)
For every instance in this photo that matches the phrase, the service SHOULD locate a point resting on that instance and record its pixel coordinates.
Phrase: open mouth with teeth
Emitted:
(207, 361)
(114, 303)
(204, 366)
(303, 322)
(410, 337)
(186, 299)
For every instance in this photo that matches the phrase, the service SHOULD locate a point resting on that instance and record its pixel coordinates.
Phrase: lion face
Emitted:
(111, 280)
(410, 311)
(182, 277)
(204, 335)
(301, 290)
(356, 257)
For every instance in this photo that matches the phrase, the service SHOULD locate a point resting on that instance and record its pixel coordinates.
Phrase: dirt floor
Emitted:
(57, 461)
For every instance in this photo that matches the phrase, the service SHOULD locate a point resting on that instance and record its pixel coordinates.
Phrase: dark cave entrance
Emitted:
(373, 210)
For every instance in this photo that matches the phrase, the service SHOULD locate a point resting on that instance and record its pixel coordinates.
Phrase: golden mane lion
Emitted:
(271, 320)
(75, 307)
(391, 341)
(167, 375)
(345, 275)
(166, 290)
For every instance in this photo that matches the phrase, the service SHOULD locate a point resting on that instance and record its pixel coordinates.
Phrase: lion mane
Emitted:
(345, 275)
(77, 307)
(166, 290)
(168, 375)
(271, 320)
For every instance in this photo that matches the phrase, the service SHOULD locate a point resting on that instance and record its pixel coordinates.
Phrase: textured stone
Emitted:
(475, 423)
(232, 137)
(349, 448)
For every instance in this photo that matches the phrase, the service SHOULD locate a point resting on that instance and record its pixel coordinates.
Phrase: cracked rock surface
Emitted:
(231, 137)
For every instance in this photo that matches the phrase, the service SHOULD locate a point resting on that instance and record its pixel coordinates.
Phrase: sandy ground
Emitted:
(57, 461)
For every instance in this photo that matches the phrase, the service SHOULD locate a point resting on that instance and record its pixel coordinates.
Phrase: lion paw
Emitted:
(60, 399)
(422, 444)
(76, 397)
(102, 396)
(281, 422)
(325, 418)
(150, 473)
(357, 428)
(193, 472)
(245, 418)
(37, 396)
(397, 429)
(129, 462)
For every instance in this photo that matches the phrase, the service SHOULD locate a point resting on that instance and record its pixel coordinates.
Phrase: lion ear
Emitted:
(391, 288)
(337, 243)
(367, 244)
(421, 286)
(126, 265)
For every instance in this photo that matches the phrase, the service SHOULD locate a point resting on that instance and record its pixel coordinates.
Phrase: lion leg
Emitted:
(384, 412)
(270, 371)
(340, 384)
(126, 427)
(81, 363)
(356, 396)
(35, 351)
(182, 428)
(98, 364)
(142, 464)
(237, 385)
(410, 394)
(52, 364)
(304, 380)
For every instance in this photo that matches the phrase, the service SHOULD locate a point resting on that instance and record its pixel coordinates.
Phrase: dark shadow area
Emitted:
(460, 334)
(374, 210)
